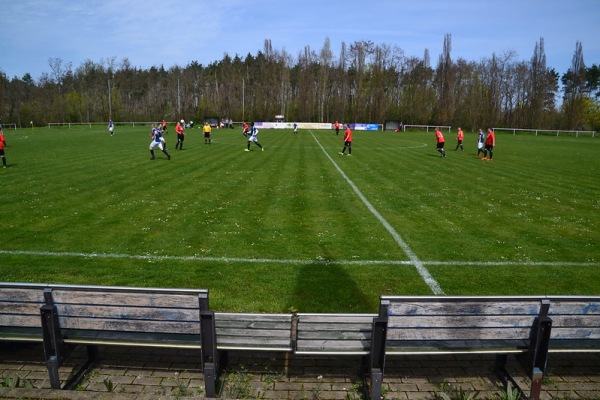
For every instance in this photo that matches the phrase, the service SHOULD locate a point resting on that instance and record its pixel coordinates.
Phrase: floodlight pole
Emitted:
(243, 100)
(109, 102)
(178, 99)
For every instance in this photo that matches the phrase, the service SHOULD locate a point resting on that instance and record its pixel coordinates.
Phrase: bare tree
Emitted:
(574, 82)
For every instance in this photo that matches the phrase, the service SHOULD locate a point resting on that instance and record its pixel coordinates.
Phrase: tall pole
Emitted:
(109, 102)
(243, 101)
(178, 100)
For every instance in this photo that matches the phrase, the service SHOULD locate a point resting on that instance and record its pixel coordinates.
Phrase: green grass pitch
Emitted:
(298, 226)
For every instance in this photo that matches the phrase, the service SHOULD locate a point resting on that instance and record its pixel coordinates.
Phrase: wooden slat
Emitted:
(30, 321)
(134, 313)
(20, 308)
(249, 342)
(575, 333)
(334, 346)
(129, 325)
(256, 325)
(336, 318)
(442, 333)
(13, 294)
(560, 321)
(161, 300)
(461, 321)
(446, 345)
(332, 334)
(415, 308)
(132, 338)
(576, 306)
(221, 317)
(268, 333)
(334, 326)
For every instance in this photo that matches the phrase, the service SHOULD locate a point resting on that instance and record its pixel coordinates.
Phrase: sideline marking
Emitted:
(429, 280)
(301, 262)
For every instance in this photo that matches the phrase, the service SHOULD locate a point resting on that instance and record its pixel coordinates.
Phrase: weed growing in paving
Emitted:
(449, 392)
(108, 384)
(15, 382)
(237, 385)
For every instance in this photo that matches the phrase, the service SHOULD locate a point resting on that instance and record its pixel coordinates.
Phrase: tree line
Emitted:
(365, 82)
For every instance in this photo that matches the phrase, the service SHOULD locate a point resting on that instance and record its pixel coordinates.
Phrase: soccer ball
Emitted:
(182, 121)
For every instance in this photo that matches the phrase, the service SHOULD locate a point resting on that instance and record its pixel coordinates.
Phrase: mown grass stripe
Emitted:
(423, 272)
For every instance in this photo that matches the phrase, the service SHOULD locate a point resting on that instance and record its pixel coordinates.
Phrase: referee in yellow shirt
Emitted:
(207, 130)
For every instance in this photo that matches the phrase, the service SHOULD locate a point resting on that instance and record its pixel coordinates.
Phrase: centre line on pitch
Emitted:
(424, 272)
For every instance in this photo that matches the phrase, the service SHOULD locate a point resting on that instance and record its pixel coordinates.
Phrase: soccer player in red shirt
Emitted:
(459, 139)
(490, 143)
(337, 127)
(440, 142)
(2, 147)
(347, 141)
(180, 136)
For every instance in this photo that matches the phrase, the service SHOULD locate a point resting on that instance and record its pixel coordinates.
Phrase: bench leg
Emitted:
(536, 384)
(52, 365)
(376, 381)
(210, 380)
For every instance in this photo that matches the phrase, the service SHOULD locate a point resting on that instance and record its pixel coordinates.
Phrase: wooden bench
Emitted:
(333, 334)
(254, 332)
(122, 316)
(62, 316)
(20, 312)
(575, 324)
(445, 325)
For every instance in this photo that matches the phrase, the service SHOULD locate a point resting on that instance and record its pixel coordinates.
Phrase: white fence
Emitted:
(547, 132)
(427, 127)
(306, 125)
(90, 124)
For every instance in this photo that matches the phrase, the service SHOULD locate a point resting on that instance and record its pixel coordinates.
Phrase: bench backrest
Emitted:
(575, 323)
(265, 332)
(334, 333)
(454, 323)
(20, 311)
(87, 310)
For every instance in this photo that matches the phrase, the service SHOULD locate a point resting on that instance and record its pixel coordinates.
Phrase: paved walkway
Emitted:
(125, 374)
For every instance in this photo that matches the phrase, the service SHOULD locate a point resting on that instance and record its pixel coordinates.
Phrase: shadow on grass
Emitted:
(329, 288)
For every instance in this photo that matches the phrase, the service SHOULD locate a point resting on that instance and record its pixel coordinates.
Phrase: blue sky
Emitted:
(176, 32)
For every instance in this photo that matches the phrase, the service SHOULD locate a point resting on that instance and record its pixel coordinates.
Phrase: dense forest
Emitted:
(366, 82)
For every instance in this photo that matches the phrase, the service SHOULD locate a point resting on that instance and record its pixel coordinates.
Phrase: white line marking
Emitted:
(429, 280)
(198, 258)
(299, 262)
